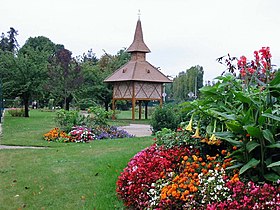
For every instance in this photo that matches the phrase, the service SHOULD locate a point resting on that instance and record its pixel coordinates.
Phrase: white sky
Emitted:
(180, 33)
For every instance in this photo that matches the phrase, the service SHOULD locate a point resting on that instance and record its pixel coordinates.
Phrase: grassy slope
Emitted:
(64, 176)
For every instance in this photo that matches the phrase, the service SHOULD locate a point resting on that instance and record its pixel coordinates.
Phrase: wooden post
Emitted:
(133, 101)
(140, 110)
(133, 108)
(146, 109)
(113, 108)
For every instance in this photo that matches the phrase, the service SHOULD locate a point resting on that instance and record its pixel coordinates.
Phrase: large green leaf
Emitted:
(252, 163)
(254, 131)
(235, 126)
(233, 142)
(276, 80)
(225, 134)
(277, 145)
(268, 136)
(234, 166)
(274, 164)
(241, 96)
(275, 91)
(237, 154)
(271, 116)
(272, 177)
(251, 145)
(223, 115)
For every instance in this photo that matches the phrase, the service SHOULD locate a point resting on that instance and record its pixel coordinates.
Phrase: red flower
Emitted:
(243, 72)
(242, 61)
(251, 70)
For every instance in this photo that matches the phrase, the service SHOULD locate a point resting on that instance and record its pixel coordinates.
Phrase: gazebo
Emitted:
(137, 80)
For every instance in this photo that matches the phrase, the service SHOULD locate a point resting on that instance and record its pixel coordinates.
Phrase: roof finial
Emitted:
(139, 14)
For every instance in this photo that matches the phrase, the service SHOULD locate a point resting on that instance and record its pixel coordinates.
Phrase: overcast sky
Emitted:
(179, 33)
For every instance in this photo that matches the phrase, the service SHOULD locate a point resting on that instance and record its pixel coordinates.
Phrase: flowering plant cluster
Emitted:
(80, 134)
(16, 112)
(56, 135)
(181, 178)
(143, 171)
(110, 132)
(260, 66)
(249, 196)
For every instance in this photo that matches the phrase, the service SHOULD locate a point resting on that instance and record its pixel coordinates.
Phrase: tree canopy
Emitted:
(187, 84)
(23, 73)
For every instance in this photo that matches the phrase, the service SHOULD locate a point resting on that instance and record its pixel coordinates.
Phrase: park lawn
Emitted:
(124, 118)
(63, 176)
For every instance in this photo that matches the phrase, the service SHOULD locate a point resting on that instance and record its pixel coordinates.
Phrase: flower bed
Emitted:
(16, 112)
(179, 178)
(82, 134)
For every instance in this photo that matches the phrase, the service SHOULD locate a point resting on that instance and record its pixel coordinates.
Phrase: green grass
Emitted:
(125, 118)
(63, 176)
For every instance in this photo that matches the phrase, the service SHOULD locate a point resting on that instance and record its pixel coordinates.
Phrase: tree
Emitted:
(65, 76)
(94, 74)
(9, 43)
(23, 73)
(187, 84)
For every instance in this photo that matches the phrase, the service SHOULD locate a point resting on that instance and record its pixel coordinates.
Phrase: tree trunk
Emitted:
(106, 104)
(26, 105)
(67, 102)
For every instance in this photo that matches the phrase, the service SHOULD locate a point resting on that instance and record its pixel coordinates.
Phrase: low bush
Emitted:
(68, 119)
(16, 112)
(164, 117)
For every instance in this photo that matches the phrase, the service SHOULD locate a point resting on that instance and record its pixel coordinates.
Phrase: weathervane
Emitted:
(139, 14)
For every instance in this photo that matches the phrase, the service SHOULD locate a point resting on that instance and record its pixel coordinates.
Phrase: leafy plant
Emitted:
(164, 117)
(68, 119)
(244, 112)
(99, 115)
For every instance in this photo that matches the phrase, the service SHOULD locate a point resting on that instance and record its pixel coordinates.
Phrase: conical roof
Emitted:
(138, 44)
(138, 71)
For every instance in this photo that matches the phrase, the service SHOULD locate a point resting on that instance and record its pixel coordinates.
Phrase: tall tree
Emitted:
(95, 73)
(9, 42)
(24, 73)
(187, 84)
(65, 77)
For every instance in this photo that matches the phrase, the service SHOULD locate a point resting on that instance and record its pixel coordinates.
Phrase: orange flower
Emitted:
(224, 152)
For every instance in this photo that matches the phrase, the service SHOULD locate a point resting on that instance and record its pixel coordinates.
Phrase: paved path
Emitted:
(138, 130)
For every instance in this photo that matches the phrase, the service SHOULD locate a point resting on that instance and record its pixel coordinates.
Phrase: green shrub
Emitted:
(51, 104)
(86, 103)
(68, 119)
(164, 117)
(16, 112)
(99, 115)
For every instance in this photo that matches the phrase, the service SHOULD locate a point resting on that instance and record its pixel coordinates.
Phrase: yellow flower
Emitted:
(196, 135)
(189, 126)
(213, 137)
